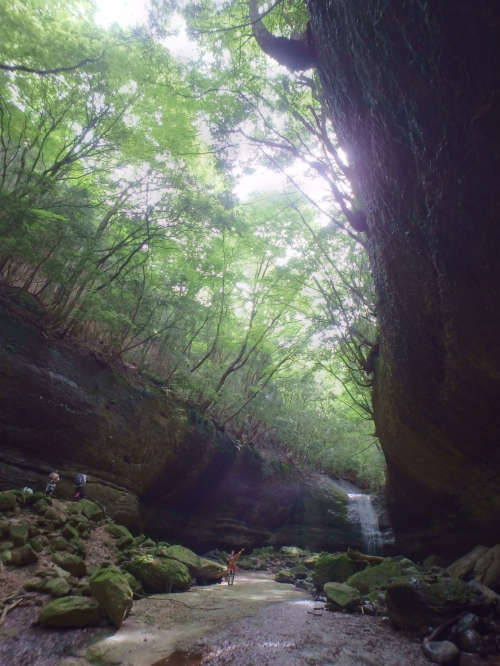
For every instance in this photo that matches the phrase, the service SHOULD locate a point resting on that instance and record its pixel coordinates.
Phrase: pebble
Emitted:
(442, 652)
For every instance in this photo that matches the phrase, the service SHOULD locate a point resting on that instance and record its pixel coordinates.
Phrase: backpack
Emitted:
(80, 480)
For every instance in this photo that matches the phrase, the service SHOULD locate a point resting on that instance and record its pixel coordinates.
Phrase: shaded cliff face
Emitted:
(157, 465)
(414, 92)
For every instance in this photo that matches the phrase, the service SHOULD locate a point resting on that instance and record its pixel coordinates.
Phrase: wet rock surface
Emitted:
(256, 622)
(289, 635)
(442, 652)
(24, 645)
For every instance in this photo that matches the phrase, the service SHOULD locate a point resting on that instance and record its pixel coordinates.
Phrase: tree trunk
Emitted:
(414, 91)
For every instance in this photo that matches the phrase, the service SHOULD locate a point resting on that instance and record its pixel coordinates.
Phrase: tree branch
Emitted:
(46, 72)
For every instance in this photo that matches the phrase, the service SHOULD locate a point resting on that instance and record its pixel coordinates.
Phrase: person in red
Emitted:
(231, 564)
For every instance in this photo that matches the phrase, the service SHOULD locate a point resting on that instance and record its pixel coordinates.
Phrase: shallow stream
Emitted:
(256, 622)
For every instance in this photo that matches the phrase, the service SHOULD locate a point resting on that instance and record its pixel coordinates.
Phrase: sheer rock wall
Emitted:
(414, 91)
(157, 465)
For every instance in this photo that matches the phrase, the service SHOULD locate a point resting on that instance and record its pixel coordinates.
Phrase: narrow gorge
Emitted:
(249, 333)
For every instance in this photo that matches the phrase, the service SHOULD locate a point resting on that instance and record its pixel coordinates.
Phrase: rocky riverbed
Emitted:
(255, 622)
(77, 589)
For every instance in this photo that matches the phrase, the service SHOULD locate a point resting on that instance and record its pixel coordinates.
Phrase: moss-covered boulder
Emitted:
(91, 510)
(36, 545)
(119, 531)
(464, 566)
(41, 506)
(124, 542)
(381, 575)
(21, 557)
(71, 563)
(332, 569)
(291, 551)
(111, 589)
(69, 532)
(342, 596)
(135, 585)
(81, 523)
(31, 584)
(310, 562)
(8, 501)
(300, 572)
(56, 587)
(6, 558)
(19, 534)
(245, 562)
(414, 603)
(160, 574)
(487, 569)
(284, 576)
(184, 555)
(58, 543)
(210, 571)
(70, 612)
(28, 554)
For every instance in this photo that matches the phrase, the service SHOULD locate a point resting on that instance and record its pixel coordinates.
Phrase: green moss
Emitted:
(332, 569)
(414, 603)
(380, 576)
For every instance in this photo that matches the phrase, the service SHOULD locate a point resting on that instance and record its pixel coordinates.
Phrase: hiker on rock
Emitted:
(80, 483)
(52, 481)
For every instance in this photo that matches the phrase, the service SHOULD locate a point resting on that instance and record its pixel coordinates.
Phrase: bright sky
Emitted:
(124, 12)
(131, 12)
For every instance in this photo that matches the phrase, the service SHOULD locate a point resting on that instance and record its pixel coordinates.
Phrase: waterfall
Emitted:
(372, 539)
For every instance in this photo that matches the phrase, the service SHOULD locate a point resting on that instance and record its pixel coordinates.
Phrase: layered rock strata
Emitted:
(156, 464)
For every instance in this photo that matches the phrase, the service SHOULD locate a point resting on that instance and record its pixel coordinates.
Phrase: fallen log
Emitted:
(361, 557)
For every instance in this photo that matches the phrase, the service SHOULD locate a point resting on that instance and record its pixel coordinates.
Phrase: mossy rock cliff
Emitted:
(413, 90)
(156, 464)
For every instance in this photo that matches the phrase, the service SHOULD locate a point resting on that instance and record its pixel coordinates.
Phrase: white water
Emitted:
(372, 541)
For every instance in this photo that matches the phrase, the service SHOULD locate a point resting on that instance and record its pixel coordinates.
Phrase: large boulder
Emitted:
(210, 571)
(341, 596)
(487, 569)
(91, 510)
(300, 572)
(445, 653)
(124, 542)
(464, 566)
(291, 551)
(332, 569)
(23, 556)
(70, 612)
(19, 534)
(414, 603)
(8, 501)
(119, 531)
(285, 576)
(112, 590)
(184, 555)
(380, 576)
(160, 574)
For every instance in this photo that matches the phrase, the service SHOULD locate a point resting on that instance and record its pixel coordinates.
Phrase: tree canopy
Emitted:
(120, 220)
